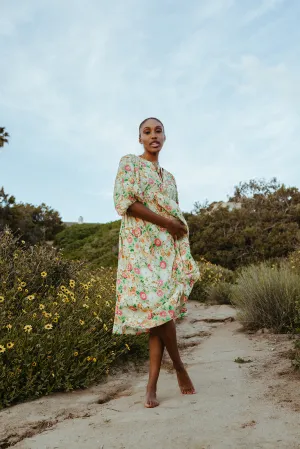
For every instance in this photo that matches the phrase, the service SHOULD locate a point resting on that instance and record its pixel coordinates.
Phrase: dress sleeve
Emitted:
(176, 189)
(126, 188)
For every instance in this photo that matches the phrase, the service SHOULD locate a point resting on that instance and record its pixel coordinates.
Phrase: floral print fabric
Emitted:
(155, 273)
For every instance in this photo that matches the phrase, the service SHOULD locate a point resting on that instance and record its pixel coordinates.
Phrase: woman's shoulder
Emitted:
(169, 174)
(128, 158)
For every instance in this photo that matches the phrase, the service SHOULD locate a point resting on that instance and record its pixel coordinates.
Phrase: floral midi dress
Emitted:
(155, 272)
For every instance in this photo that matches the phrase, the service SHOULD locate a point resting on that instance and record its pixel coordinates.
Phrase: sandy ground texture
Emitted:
(254, 405)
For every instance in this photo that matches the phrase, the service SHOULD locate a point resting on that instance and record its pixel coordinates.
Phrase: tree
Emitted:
(34, 223)
(254, 187)
(3, 137)
(267, 226)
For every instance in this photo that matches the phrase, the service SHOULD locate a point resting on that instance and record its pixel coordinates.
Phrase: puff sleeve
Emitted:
(126, 188)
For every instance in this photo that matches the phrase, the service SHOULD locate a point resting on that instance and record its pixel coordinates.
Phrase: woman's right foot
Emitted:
(151, 400)
(185, 384)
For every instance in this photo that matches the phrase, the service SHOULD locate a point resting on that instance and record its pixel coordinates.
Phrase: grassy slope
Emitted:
(96, 243)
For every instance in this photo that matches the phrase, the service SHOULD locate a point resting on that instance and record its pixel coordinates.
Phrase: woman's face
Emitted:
(152, 136)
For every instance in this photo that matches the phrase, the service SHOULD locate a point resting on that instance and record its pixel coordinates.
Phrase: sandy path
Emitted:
(233, 408)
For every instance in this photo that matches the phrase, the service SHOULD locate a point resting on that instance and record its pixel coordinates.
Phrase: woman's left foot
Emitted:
(185, 384)
(151, 400)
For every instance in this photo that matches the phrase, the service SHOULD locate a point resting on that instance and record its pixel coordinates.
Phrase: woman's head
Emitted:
(152, 135)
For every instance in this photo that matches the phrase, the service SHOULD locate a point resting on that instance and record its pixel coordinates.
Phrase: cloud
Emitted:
(265, 7)
(79, 78)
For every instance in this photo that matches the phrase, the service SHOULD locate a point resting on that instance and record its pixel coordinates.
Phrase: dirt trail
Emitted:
(253, 405)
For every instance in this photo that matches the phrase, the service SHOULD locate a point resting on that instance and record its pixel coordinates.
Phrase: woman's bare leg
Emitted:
(156, 350)
(167, 333)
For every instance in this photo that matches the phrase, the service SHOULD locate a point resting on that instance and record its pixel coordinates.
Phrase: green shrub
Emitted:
(296, 361)
(267, 296)
(219, 293)
(210, 275)
(95, 243)
(55, 323)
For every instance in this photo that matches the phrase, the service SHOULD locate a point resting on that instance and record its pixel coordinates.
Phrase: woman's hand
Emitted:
(176, 228)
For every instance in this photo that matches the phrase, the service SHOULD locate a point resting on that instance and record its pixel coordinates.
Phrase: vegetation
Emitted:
(4, 136)
(211, 276)
(56, 320)
(264, 225)
(267, 296)
(34, 223)
(95, 243)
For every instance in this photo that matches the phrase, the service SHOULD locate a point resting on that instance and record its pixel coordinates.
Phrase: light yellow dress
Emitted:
(155, 273)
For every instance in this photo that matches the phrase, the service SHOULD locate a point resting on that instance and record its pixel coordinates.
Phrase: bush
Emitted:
(56, 320)
(219, 293)
(210, 275)
(95, 243)
(267, 296)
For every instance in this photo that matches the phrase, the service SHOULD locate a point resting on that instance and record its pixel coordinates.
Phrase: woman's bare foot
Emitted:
(185, 384)
(151, 400)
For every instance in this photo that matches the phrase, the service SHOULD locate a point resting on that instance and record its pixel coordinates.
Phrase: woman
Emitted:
(156, 271)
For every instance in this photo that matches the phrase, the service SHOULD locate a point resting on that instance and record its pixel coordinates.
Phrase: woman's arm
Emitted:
(176, 228)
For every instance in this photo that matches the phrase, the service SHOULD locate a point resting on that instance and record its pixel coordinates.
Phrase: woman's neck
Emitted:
(150, 157)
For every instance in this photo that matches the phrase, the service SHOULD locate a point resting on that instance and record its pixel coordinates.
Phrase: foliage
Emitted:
(95, 243)
(254, 187)
(264, 226)
(33, 223)
(219, 293)
(267, 296)
(56, 320)
(210, 275)
(4, 136)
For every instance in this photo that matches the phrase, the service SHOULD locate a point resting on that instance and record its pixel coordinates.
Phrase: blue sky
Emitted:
(78, 77)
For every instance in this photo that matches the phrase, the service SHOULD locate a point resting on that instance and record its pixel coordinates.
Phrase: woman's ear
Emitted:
(140, 140)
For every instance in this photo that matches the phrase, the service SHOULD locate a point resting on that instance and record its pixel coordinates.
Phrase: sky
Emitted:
(77, 78)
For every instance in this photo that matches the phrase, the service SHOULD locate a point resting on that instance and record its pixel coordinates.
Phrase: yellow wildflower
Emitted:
(57, 314)
(34, 315)
(28, 328)
(33, 363)
(41, 306)
(26, 291)
(72, 283)
(30, 297)
(55, 303)
(85, 306)
(104, 327)
(48, 326)
(20, 289)
(43, 274)
(75, 354)
(2, 349)
(89, 358)
(81, 322)
(94, 359)
(55, 320)
(23, 284)
(23, 242)
(10, 345)
(8, 326)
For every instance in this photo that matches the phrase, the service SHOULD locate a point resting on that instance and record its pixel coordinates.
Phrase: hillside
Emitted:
(95, 243)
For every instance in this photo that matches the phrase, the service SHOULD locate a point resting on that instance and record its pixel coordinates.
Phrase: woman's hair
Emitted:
(150, 118)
